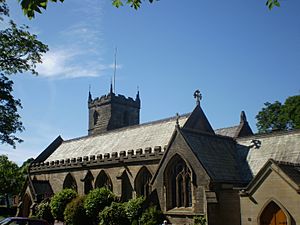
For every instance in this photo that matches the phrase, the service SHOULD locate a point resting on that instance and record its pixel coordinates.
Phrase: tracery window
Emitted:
(142, 182)
(88, 182)
(103, 180)
(126, 188)
(177, 178)
(70, 182)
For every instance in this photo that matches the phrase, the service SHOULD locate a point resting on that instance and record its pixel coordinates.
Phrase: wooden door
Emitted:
(273, 215)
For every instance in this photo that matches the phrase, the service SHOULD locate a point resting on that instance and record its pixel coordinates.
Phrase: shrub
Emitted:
(43, 211)
(152, 216)
(114, 214)
(199, 220)
(96, 201)
(59, 202)
(75, 213)
(134, 209)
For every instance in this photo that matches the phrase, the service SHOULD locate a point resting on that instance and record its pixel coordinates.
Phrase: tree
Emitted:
(114, 214)
(59, 202)
(20, 51)
(96, 201)
(30, 7)
(277, 116)
(75, 213)
(11, 178)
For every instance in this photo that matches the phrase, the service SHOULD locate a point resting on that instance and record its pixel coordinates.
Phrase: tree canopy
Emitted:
(30, 7)
(20, 51)
(277, 116)
(11, 177)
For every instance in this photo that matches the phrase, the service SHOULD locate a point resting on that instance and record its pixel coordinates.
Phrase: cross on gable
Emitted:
(197, 96)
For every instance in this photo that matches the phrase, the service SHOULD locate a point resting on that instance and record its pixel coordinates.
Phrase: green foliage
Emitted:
(11, 179)
(275, 116)
(134, 208)
(200, 220)
(44, 211)
(272, 3)
(97, 200)
(152, 216)
(59, 202)
(75, 213)
(114, 214)
(20, 51)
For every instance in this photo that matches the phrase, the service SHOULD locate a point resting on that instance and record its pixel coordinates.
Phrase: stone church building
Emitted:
(231, 176)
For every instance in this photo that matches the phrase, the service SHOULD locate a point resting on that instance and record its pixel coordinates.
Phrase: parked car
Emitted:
(22, 221)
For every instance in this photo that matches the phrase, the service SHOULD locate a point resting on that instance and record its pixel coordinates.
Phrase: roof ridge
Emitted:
(272, 134)
(130, 127)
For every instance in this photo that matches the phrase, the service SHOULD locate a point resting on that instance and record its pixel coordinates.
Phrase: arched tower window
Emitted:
(126, 187)
(88, 182)
(273, 215)
(95, 117)
(103, 180)
(177, 179)
(70, 182)
(142, 182)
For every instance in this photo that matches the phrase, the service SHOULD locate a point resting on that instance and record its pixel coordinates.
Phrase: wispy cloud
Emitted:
(66, 63)
(79, 52)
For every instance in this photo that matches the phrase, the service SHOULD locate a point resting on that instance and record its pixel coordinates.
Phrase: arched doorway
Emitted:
(26, 205)
(273, 215)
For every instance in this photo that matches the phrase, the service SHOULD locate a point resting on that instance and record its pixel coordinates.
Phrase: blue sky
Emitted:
(238, 53)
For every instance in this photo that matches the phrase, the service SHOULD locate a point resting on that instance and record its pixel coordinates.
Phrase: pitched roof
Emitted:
(290, 172)
(216, 154)
(256, 150)
(228, 131)
(142, 136)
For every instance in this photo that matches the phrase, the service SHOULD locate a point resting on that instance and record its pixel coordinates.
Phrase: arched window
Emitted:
(126, 187)
(88, 182)
(70, 182)
(273, 215)
(103, 180)
(142, 182)
(96, 117)
(177, 179)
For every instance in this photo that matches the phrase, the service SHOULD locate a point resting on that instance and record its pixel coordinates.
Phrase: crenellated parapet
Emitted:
(113, 98)
(94, 161)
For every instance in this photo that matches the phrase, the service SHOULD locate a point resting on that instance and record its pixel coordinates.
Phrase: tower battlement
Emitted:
(112, 111)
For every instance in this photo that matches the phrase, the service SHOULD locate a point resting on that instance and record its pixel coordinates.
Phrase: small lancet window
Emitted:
(96, 117)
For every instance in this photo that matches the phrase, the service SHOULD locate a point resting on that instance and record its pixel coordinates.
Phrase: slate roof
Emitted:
(292, 170)
(256, 150)
(228, 131)
(217, 155)
(153, 134)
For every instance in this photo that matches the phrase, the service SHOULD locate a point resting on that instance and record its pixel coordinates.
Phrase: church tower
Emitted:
(112, 111)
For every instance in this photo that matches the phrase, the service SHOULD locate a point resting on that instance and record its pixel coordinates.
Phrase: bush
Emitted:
(134, 209)
(199, 220)
(152, 216)
(44, 211)
(59, 202)
(75, 213)
(114, 215)
(96, 201)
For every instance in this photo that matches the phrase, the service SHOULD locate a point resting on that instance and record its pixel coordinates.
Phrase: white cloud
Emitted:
(67, 63)
(79, 51)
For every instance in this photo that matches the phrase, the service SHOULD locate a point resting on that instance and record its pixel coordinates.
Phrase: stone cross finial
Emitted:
(177, 119)
(197, 96)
